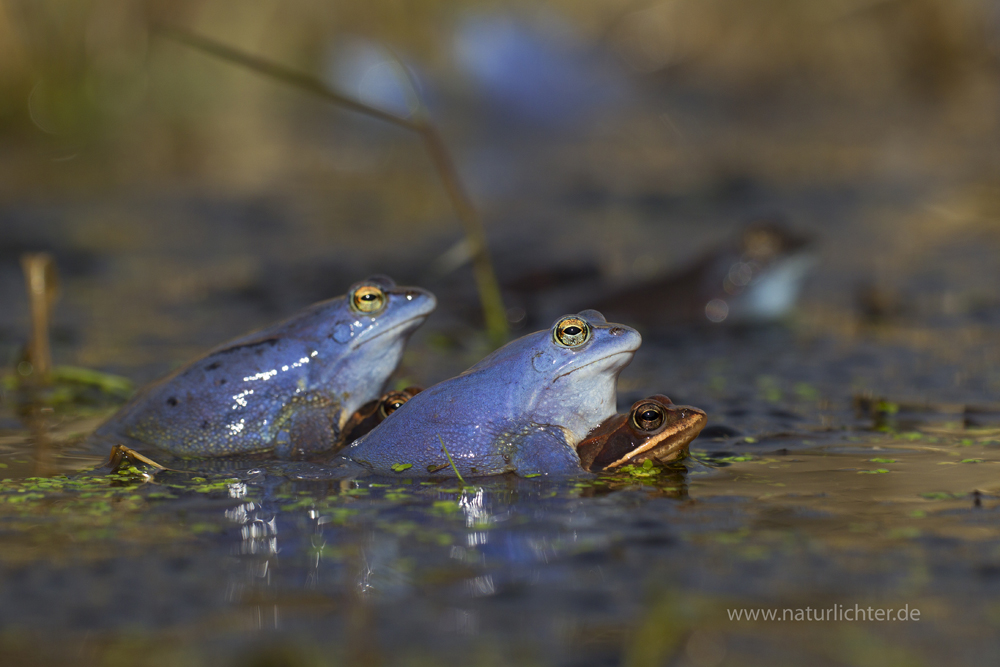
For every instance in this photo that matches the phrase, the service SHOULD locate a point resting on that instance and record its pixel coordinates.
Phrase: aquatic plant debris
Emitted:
(121, 456)
(644, 470)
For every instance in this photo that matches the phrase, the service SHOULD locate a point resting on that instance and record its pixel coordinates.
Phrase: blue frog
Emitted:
(522, 409)
(287, 389)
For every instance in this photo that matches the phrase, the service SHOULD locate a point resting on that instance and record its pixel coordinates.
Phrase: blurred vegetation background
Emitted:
(89, 100)
(83, 83)
(187, 200)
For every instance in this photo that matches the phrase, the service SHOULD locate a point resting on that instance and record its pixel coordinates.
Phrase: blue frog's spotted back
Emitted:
(288, 388)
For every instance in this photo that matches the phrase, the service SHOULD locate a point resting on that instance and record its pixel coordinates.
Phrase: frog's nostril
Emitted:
(616, 331)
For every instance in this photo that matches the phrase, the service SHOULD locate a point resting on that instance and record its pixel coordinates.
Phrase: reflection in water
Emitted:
(257, 554)
(384, 571)
(317, 543)
(360, 562)
(480, 586)
(43, 446)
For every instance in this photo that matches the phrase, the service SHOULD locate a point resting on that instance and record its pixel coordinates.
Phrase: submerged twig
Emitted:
(494, 313)
(452, 463)
(122, 455)
(42, 282)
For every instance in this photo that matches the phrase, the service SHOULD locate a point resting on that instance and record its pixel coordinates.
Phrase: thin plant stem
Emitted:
(453, 466)
(494, 313)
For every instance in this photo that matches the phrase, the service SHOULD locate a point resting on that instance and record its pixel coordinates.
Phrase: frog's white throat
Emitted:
(583, 398)
(361, 376)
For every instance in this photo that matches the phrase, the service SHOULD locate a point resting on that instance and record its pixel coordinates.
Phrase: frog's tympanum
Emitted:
(522, 409)
(374, 412)
(654, 429)
(289, 388)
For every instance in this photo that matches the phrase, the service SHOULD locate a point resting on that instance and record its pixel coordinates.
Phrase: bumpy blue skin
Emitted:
(288, 388)
(522, 409)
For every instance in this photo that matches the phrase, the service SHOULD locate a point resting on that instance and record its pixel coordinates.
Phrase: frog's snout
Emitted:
(625, 337)
(414, 293)
(418, 301)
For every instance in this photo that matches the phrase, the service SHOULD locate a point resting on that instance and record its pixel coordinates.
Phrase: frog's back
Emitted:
(478, 418)
(287, 388)
(413, 434)
(230, 400)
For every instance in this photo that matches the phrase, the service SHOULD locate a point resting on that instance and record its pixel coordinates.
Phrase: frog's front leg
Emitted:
(308, 424)
(543, 449)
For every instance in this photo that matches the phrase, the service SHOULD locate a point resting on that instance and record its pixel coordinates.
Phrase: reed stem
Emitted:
(494, 313)
(42, 283)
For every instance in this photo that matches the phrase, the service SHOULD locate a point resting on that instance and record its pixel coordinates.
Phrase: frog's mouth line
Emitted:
(665, 436)
(630, 353)
(404, 323)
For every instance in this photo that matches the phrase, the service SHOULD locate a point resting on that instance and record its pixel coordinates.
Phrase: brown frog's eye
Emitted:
(393, 403)
(648, 417)
(368, 299)
(571, 332)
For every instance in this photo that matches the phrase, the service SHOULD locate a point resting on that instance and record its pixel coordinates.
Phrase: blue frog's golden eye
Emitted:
(368, 299)
(648, 417)
(571, 332)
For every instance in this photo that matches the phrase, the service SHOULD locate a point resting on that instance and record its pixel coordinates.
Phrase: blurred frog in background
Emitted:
(754, 280)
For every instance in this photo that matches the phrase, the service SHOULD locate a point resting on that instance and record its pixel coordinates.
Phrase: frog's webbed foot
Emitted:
(307, 430)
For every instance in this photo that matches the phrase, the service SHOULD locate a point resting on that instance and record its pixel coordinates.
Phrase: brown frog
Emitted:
(374, 412)
(654, 429)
